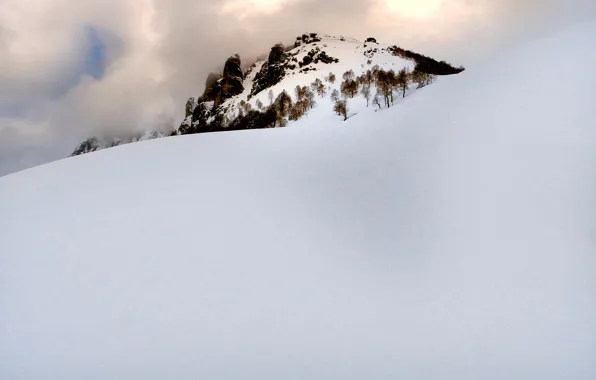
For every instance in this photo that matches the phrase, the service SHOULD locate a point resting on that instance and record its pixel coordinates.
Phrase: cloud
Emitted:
(70, 69)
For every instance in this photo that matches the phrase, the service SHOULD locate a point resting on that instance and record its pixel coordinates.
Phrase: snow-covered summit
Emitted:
(311, 58)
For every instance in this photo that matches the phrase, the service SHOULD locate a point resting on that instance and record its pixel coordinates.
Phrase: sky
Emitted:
(71, 69)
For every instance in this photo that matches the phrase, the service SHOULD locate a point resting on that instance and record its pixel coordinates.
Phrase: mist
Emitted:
(69, 70)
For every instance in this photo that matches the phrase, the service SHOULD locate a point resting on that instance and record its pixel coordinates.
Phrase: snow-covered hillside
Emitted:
(352, 55)
(448, 237)
(312, 59)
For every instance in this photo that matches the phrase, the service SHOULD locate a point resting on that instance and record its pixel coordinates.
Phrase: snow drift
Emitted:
(449, 237)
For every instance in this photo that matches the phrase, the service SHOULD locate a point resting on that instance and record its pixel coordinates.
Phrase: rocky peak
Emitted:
(272, 71)
(276, 54)
(210, 87)
(231, 82)
(232, 68)
(90, 145)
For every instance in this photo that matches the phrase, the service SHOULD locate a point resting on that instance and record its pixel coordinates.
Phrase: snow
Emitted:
(351, 57)
(448, 237)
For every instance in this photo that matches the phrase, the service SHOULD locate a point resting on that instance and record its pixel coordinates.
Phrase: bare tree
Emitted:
(377, 100)
(341, 107)
(368, 77)
(366, 93)
(283, 103)
(302, 106)
(315, 84)
(421, 79)
(259, 104)
(296, 111)
(335, 95)
(309, 96)
(384, 86)
(300, 93)
(392, 82)
(402, 80)
(322, 90)
(331, 78)
(271, 97)
(349, 75)
(349, 88)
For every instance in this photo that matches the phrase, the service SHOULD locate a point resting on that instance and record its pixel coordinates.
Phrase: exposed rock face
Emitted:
(232, 67)
(90, 145)
(190, 105)
(276, 53)
(315, 56)
(306, 38)
(210, 85)
(231, 83)
(272, 71)
(371, 39)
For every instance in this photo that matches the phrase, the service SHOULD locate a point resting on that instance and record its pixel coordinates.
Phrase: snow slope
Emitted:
(449, 237)
(350, 53)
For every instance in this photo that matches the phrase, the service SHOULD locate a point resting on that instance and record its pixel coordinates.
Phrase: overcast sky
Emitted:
(74, 68)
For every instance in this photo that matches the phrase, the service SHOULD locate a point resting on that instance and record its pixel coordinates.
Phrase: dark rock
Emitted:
(272, 71)
(90, 145)
(323, 57)
(210, 86)
(371, 39)
(232, 68)
(190, 104)
(306, 39)
(276, 54)
(231, 83)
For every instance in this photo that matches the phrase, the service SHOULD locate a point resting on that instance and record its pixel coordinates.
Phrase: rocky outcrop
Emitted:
(232, 68)
(272, 71)
(276, 54)
(371, 39)
(190, 106)
(93, 144)
(307, 38)
(210, 87)
(90, 145)
(231, 82)
(315, 56)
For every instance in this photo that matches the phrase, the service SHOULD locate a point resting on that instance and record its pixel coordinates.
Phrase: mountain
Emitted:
(449, 236)
(237, 99)
(94, 144)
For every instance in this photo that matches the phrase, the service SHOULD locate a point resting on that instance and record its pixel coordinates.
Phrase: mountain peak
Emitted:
(313, 57)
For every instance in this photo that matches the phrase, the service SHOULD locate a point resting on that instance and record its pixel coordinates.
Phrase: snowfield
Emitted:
(452, 236)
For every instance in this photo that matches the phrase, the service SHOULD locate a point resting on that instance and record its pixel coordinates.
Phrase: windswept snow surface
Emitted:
(450, 237)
